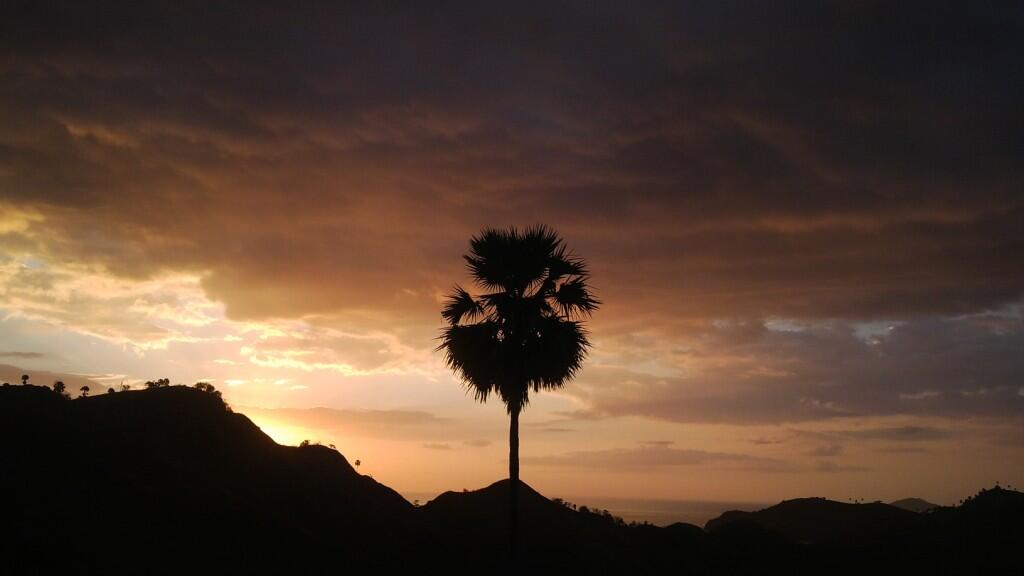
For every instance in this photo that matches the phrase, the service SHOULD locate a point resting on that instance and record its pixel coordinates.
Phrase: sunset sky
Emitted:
(806, 226)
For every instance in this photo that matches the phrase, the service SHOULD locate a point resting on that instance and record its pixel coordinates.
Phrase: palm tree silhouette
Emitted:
(524, 332)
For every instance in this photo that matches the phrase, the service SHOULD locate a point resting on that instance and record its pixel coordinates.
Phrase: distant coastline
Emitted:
(660, 512)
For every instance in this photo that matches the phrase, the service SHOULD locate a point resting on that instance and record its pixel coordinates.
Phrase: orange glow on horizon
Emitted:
(280, 432)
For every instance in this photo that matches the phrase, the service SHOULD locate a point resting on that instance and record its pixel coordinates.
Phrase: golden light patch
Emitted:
(15, 219)
(281, 432)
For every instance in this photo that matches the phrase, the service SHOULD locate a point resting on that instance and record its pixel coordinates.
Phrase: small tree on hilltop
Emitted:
(85, 391)
(24, 379)
(61, 389)
(207, 388)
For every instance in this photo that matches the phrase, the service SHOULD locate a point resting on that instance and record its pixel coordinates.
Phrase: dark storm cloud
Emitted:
(835, 160)
(815, 160)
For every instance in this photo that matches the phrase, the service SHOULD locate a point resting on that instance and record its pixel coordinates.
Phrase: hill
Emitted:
(811, 534)
(118, 481)
(170, 481)
(914, 505)
(821, 521)
(559, 539)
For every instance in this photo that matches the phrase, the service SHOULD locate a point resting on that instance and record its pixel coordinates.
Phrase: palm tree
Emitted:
(525, 332)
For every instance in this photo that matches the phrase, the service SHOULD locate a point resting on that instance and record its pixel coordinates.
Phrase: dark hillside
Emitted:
(170, 481)
(984, 535)
(171, 474)
(558, 538)
(821, 521)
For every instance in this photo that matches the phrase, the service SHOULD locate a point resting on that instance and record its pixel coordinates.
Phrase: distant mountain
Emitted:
(914, 505)
(821, 521)
(979, 537)
(170, 481)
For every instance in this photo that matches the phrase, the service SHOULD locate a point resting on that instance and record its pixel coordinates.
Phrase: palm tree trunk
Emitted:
(513, 477)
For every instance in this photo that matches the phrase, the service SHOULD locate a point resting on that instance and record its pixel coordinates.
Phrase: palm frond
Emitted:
(563, 263)
(574, 299)
(461, 305)
(557, 353)
(510, 259)
(473, 352)
(489, 257)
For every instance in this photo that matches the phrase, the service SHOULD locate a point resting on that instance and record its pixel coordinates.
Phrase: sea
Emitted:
(657, 512)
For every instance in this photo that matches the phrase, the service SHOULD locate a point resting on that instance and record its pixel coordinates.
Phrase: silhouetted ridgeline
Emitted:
(168, 480)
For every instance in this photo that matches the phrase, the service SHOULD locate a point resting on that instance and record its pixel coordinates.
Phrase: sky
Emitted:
(803, 221)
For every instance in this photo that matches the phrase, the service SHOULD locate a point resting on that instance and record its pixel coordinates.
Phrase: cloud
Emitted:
(898, 434)
(748, 372)
(734, 174)
(385, 424)
(904, 434)
(437, 446)
(313, 346)
(23, 355)
(144, 314)
(830, 466)
(827, 450)
(654, 456)
(12, 374)
(902, 450)
(477, 443)
(745, 203)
